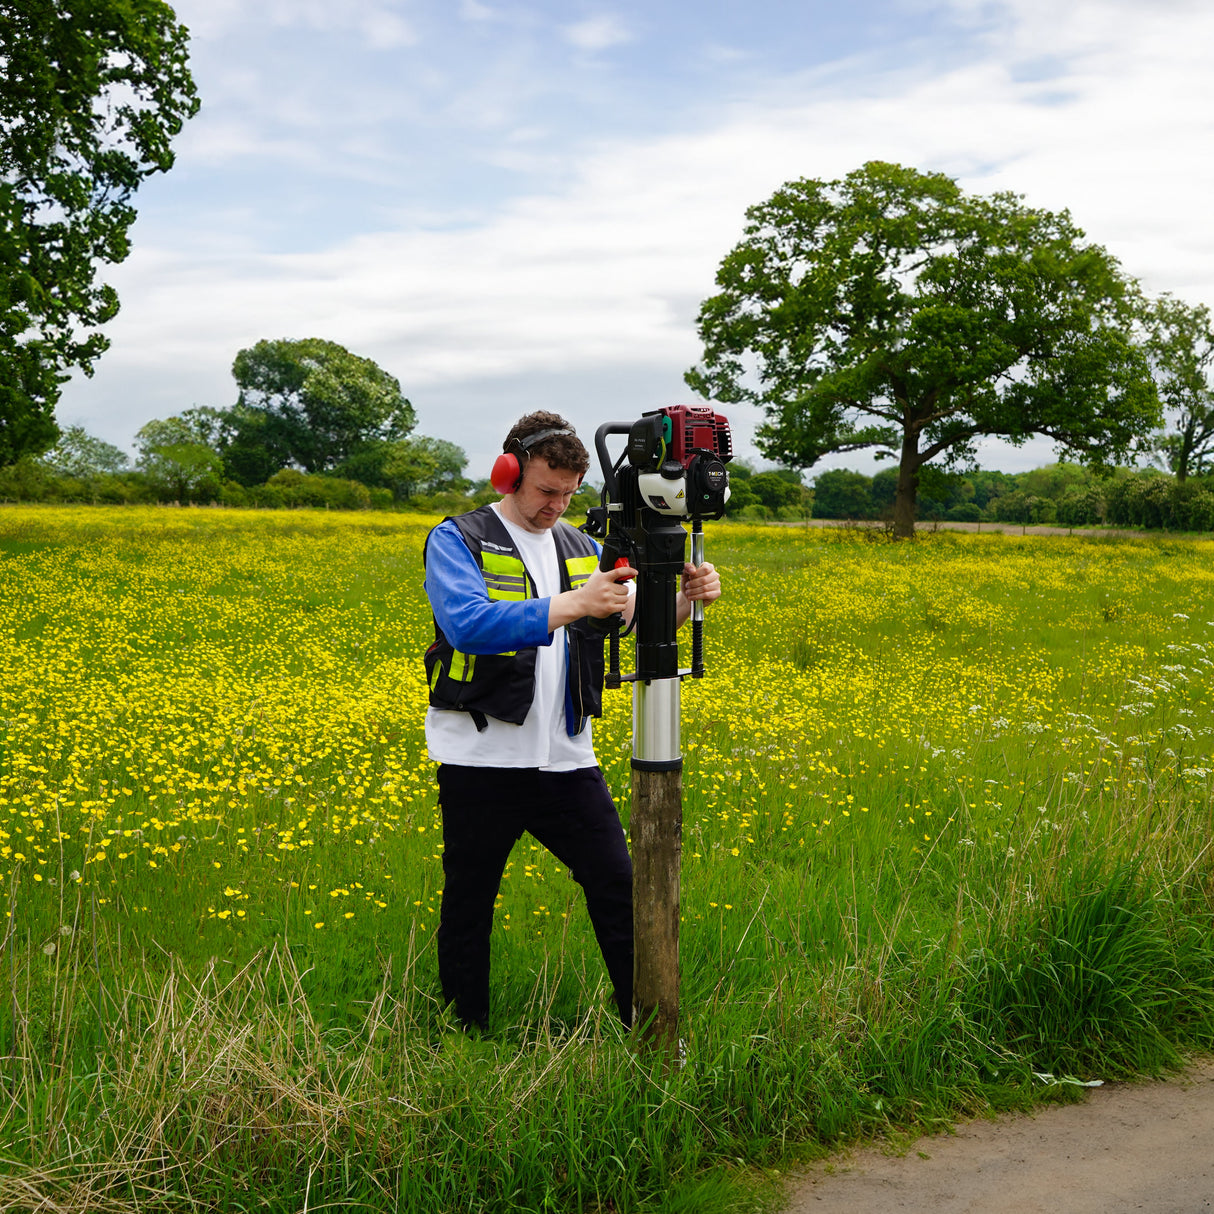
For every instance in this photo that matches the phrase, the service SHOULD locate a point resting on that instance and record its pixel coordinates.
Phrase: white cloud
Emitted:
(597, 33)
(385, 30)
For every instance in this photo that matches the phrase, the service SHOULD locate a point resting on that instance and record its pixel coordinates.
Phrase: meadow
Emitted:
(948, 820)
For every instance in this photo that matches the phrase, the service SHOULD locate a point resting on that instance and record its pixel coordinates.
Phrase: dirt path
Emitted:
(1143, 1147)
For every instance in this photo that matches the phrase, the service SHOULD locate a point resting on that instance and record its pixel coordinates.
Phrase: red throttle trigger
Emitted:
(621, 562)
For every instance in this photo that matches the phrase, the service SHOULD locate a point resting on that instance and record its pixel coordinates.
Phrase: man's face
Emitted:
(538, 503)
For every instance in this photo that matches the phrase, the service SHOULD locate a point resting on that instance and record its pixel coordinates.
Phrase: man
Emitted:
(515, 673)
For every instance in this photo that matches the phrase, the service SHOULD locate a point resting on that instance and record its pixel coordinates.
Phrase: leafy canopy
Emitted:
(312, 404)
(91, 93)
(1181, 345)
(408, 466)
(891, 310)
(175, 457)
(84, 456)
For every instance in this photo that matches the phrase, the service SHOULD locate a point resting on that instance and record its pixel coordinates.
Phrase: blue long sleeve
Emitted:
(470, 620)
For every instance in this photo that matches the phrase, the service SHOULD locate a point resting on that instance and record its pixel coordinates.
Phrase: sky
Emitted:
(520, 204)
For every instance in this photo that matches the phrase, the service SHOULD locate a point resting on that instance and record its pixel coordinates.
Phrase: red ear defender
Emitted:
(507, 473)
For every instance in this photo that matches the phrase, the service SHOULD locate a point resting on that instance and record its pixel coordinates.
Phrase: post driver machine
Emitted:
(672, 469)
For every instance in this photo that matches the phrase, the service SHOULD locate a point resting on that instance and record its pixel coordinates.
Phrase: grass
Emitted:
(947, 829)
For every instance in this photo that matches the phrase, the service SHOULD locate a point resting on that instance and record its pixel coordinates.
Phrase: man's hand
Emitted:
(703, 584)
(601, 595)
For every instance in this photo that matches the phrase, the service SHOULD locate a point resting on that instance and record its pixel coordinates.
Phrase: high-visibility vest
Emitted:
(502, 685)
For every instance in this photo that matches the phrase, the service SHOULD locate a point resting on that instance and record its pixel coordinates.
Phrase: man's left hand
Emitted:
(703, 583)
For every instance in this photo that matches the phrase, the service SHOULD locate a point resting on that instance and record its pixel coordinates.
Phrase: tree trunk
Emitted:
(908, 486)
(1188, 440)
(656, 827)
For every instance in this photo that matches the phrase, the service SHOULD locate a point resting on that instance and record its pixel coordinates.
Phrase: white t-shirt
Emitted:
(541, 740)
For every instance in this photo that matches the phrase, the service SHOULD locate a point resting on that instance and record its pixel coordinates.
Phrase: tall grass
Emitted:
(947, 832)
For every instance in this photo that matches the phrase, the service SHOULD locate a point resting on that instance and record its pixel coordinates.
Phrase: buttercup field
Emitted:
(948, 810)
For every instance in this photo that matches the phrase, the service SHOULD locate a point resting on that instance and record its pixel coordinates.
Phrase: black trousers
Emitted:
(485, 811)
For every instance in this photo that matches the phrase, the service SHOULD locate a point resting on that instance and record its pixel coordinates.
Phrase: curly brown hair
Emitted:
(564, 451)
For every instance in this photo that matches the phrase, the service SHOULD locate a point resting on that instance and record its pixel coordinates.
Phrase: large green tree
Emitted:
(1181, 343)
(91, 93)
(891, 310)
(175, 457)
(312, 404)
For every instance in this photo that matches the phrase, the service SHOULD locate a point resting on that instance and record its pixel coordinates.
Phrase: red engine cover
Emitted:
(697, 428)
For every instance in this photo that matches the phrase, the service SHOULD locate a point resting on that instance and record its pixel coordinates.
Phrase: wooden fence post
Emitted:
(657, 845)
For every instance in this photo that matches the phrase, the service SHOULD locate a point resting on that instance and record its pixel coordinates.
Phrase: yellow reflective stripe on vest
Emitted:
(462, 666)
(580, 568)
(505, 576)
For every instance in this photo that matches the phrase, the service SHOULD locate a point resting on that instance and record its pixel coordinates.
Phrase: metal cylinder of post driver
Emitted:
(697, 559)
(697, 607)
(655, 725)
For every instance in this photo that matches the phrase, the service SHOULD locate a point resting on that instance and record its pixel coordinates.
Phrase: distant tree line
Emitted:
(1062, 494)
(777, 493)
(313, 425)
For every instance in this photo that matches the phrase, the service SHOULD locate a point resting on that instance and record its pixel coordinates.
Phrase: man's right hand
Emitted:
(602, 594)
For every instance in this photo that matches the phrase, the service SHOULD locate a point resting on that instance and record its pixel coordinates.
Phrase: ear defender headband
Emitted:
(507, 472)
